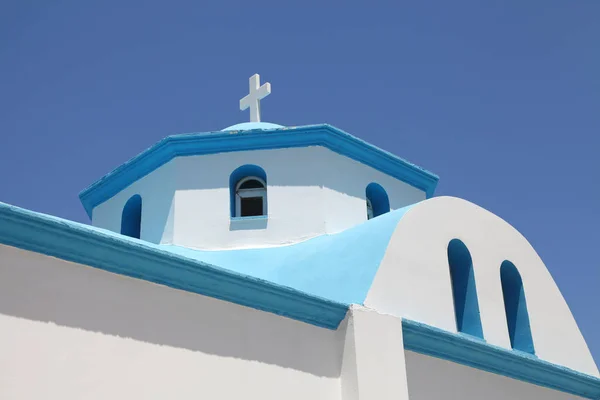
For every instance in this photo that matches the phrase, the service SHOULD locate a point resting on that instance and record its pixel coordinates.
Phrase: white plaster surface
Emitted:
(413, 280)
(69, 331)
(158, 192)
(311, 191)
(433, 378)
(373, 366)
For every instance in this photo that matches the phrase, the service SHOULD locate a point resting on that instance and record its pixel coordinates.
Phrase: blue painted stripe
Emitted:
(473, 352)
(221, 142)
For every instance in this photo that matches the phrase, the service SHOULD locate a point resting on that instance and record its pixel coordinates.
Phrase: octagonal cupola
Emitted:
(254, 184)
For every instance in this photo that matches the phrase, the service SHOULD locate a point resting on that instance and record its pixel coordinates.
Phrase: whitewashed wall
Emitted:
(74, 332)
(433, 378)
(311, 191)
(69, 331)
(158, 193)
(413, 280)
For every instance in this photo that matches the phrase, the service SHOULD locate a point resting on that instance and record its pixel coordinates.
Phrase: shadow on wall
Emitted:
(312, 166)
(41, 288)
(296, 167)
(153, 200)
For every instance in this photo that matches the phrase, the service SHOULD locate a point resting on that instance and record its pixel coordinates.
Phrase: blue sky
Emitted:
(500, 98)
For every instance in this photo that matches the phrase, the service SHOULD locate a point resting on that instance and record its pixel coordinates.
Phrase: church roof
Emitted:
(248, 126)
(291, 281)
(255, 139)
(339, 267)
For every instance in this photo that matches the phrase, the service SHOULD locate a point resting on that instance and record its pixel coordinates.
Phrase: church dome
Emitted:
(247, 126)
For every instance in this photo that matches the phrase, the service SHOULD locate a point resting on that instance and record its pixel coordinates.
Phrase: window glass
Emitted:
(251, 206)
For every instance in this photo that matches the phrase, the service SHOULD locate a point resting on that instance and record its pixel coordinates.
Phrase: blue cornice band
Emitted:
(222, 142)
(476, 353)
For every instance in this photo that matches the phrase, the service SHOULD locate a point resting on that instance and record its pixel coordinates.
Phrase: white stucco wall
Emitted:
(413, 280)
(373, 365)
(311, 191)
(69, 331)
(433, 378)
(158, 193)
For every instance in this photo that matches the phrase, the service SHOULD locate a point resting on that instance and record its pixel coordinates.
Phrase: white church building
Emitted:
(279, 263)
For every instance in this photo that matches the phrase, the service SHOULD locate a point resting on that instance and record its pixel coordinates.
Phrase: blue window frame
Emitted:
(377, 200)
(464, 289)
(131, 219)
(515, 305)
(248, 191)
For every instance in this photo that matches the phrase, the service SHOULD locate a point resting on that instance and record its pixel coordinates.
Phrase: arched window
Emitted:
(515, 306)
(250, 197)
(377, 200)
(131, 219)
(464, 290)
(248, 191)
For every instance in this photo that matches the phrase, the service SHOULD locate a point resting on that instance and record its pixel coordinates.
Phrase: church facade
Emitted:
(273, 262)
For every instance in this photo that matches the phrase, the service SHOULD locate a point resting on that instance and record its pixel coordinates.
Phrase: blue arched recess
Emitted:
(131, 220)
(515, 305)
(464, 290)
(378, 198)
(237, 175)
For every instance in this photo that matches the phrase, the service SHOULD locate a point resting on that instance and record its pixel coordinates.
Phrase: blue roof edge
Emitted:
(476, 353)
(119, 254)
(221, 142)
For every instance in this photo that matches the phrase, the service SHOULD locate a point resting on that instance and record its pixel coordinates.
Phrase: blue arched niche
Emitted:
(131, 219)
(377, 199)
(515, 306)
(239, 174)
(464, 289)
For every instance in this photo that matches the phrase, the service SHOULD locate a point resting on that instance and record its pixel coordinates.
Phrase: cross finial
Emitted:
(252, 100)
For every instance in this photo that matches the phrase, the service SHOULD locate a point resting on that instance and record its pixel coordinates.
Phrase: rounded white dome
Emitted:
(248, 126)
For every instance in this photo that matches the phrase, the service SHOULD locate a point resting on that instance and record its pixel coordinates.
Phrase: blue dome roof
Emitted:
(248, 126)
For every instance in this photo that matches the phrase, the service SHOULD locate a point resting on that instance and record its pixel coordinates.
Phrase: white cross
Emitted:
(252, 100)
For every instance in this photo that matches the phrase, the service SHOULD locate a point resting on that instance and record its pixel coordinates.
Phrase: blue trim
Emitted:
(241, 173)
(515, 305)
(131, 218)
(221, 142)
(464, 289)
(120, 254)
(252, 218)
(379, 199)
(475, 353)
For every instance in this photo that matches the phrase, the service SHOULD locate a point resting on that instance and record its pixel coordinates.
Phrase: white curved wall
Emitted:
(311, 191)
(413, 280)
